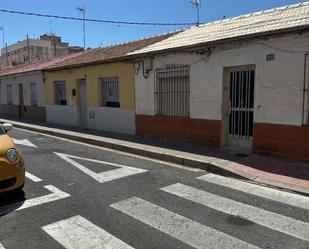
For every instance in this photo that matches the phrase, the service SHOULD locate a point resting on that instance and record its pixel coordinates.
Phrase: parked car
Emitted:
(12, 170)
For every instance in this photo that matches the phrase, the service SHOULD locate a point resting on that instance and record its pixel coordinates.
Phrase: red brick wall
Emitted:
(287, 141)
(192, 130)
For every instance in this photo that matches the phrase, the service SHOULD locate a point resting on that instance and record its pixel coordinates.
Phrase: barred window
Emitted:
(9, 95)
(60, 93)
(110, 92)
(33, 95)
(172, 92)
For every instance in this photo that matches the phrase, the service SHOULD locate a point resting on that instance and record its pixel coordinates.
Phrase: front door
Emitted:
(21, 107)
(239, 86)
(83, 104)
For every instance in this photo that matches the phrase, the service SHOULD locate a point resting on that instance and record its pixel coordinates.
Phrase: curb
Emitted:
(153, 154)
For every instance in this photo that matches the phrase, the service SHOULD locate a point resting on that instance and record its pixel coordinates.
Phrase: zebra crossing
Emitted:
(78, 232)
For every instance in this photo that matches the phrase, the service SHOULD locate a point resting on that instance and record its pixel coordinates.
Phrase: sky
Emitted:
(16, 27)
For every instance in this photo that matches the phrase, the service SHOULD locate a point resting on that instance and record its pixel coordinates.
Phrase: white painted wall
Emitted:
(112, 119)
(24, 79)
(62, 114)
(279, 83)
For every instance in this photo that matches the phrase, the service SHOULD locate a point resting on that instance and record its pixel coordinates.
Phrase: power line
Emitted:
(96, 20)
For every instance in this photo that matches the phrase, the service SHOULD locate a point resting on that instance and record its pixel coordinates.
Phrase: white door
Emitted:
(83, 104)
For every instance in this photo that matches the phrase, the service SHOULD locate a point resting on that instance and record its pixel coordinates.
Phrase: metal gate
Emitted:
(241, 104)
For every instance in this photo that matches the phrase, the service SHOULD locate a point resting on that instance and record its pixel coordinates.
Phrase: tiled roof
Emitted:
(111, 52)
(278, 19)
(37, 66)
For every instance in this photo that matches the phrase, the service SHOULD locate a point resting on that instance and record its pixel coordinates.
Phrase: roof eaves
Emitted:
(298, 29)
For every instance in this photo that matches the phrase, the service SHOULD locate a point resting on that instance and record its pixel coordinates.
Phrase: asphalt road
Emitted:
(80, 196)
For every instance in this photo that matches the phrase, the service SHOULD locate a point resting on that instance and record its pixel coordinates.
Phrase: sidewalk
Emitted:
(293, 176)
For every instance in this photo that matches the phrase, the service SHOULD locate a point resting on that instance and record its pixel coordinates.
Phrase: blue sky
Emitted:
(18, 26)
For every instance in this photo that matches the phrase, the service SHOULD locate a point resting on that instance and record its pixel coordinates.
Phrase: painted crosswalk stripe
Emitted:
(56, 194)
(268, 193)
(259, 216)
(33, 177)
(1, 246)
(105, 176)
(177, 226)
(24, 142)
(79, 233)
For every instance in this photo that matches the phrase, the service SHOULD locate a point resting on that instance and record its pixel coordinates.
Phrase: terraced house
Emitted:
(22, 89)
(96, 89)
(239, 82)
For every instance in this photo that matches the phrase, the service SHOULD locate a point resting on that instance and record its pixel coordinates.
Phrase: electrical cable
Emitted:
(96, 20)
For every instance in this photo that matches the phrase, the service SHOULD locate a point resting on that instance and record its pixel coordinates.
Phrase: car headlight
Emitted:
(12, 155)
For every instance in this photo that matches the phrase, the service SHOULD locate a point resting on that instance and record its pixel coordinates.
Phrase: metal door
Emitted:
(83, 104)
(21, 107)
(241, 108)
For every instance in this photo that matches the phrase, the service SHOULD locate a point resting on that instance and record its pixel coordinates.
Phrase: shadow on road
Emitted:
(11, 201)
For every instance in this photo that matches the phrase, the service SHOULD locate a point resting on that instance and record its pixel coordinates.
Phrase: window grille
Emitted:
(9, 94)
(110, 92)
(33, 94)
(60, 93)
(172, 92)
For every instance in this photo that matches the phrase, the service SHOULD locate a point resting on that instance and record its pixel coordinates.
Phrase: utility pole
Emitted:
(7, 54)
(82, 10)
(28, 49)
(3, 43)
(197, 4)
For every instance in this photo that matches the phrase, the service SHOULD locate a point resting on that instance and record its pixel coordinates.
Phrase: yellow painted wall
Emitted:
(124, 71)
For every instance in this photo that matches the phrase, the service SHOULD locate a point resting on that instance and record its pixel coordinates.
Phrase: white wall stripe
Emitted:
(268, 193)
(177, 226)
(265, 218)
(79, 233)
(1, 246)
(105, 176)
(56, 194)
(33, 177)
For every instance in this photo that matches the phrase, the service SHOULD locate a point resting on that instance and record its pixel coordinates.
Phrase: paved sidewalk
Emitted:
(283, 174)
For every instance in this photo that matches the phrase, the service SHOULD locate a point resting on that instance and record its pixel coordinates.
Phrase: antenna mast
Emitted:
(197, 5)
(82, 11)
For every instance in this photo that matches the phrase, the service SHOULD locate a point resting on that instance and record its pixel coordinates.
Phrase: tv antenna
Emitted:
(82, 11)
(197, 5)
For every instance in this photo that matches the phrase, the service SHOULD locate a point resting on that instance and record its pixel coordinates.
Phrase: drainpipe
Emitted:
(305, 91)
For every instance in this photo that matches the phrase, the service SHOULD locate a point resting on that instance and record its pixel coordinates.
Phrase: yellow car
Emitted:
(12, 170)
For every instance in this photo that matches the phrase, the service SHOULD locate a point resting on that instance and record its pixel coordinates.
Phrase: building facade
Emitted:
(247, 94)
(22, 95)
(33, 50)
(99, 97)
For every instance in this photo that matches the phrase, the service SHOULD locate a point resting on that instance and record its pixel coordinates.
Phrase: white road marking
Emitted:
(79, 233)
(1, 246)
(259, 216)
(118, 152)
(177, 226)
(102, 177)
(56, 194)
(24, 142)
(268, 193)
(33, 177)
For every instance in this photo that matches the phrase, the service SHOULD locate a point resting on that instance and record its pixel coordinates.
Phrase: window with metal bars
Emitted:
(9, 94)
(110, 92)
(33, 94)
(172, 91)
(60, 93)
